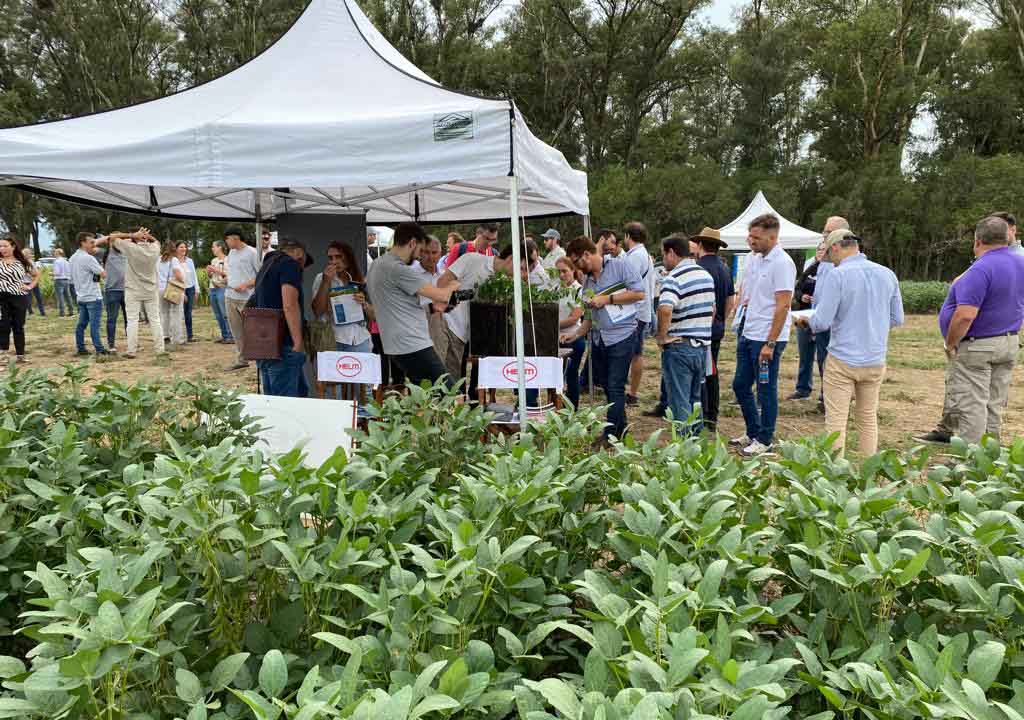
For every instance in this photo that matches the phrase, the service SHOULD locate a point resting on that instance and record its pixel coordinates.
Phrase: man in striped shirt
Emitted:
(686, 310)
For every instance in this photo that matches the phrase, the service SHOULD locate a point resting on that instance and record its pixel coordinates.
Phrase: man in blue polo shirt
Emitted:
(611, 291)
(980, 322)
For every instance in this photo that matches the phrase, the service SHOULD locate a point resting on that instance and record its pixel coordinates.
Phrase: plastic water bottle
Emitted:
(763, 374)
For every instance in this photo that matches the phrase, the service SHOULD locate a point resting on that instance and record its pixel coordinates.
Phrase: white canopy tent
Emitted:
(330, 118)
(791, 235)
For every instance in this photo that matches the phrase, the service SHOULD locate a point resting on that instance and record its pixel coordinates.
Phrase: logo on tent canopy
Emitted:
(453, 126)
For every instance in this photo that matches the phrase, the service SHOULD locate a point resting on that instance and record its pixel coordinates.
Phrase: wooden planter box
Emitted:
(492, 332)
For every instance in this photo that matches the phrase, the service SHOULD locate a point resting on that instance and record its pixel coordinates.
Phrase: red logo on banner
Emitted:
(349, 366)
(511, 374)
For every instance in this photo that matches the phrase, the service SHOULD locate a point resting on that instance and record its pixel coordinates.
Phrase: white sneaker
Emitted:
(755, 448)
(742, 440)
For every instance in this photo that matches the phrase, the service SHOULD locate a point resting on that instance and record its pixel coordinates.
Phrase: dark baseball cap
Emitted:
(289, 244)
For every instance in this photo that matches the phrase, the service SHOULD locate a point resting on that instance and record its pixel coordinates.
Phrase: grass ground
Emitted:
(911, 396)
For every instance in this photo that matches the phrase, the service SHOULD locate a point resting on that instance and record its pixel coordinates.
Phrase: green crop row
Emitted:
(153, 564)
(923, 297)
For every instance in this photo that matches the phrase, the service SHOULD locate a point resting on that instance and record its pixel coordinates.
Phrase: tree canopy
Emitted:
(902, 115)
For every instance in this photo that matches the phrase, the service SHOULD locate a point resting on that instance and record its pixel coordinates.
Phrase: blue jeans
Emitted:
(89, 313)
(821, 341)
(682, 371)
(572, 372)
(284, 377)
(62, 289)
(190, 302)
(36, 293)
(616, 360)
(363, 347)
(759, 416)
(220, 312)
(114, 300)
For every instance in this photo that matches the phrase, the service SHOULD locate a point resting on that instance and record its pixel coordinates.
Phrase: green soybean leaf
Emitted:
(188, 687)
(10, 666)
(432, 703)
(560, 696)
(914, 567)
(707, 588)
(273, 673)
(225, 671)
(984, 663)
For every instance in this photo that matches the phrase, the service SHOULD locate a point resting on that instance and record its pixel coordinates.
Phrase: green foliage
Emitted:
(436, 574)
(498, 289)
(923, 297)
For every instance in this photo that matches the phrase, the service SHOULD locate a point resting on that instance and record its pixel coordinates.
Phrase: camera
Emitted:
(460, 296)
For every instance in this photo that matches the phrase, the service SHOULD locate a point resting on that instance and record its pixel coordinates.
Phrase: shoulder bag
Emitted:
(263, 329)
(174, 292)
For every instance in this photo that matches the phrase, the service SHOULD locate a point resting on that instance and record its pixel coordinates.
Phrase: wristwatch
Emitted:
(770, 344)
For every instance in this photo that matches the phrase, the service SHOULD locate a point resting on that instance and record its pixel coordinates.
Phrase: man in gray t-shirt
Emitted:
(242, 266)
(113, 292)
(395, 287)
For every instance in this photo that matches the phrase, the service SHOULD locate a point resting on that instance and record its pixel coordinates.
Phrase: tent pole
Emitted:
(517, 299)
(259, 226)
(586, 225)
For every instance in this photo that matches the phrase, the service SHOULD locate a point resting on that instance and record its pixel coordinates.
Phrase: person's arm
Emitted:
(97, 268)
(783, 300)
(179, 274)
(447, 278)
(574, 316)
(959, 324)
(292, 315)
(664, 322)
(896, 317)
(828, 305)
(581, 331)
(730, 305)
(321, 292)
(250, 284)
(437, 294)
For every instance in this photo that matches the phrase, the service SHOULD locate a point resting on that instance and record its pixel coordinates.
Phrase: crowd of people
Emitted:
(406, 307)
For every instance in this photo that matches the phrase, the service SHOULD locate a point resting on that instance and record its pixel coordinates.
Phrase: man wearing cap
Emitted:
(980, 322)
(279, 287)
(552, 242)
(860, 303)
(704, 247)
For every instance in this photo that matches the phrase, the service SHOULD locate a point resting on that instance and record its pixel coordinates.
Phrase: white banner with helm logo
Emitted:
(500, 373)
(348, 367)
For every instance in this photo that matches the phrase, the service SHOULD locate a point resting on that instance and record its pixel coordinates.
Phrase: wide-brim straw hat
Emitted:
(710, 236)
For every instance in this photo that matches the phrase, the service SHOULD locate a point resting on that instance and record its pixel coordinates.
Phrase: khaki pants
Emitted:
(452, 357)
(978, 385)
(172, 319)
(843, 383)
(438, 328)
(134, 305)
(234, 308)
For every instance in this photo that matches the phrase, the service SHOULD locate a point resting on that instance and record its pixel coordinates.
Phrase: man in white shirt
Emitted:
(635, 236)
(468, 271)
(552, 243)
(766, 328)
(62, 286)
(141, 252)
(243, 265)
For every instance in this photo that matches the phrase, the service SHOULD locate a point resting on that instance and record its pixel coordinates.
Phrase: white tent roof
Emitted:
(329, 118)
(791, 235)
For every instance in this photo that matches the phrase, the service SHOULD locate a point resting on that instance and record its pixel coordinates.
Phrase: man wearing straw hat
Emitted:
(704, 247)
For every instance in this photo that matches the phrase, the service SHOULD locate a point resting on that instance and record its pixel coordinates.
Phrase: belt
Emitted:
(972, 338)
(680, 338)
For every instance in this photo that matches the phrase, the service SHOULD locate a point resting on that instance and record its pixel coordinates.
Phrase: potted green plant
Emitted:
(492, 320)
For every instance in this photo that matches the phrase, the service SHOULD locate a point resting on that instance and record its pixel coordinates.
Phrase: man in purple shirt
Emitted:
(980, 322)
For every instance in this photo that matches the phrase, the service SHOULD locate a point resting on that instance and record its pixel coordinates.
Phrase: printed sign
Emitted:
(319, 426)
(348, 367)
(453, 126)
(502, 373)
